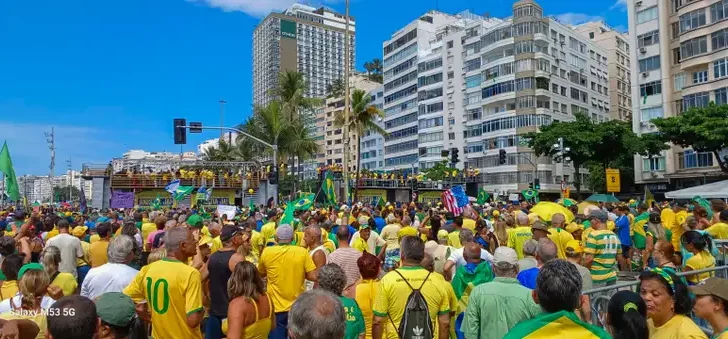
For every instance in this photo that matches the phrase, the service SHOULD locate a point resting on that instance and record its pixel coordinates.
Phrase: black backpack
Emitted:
(416, 322)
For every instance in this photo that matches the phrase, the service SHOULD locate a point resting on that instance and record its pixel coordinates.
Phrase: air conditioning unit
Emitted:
(653, 174)
(645, 74)
(643, 50)
(638, 3)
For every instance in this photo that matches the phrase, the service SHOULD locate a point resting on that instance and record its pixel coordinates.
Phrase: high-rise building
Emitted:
(478, 84)
(372, 143)
(303, 39)
(38, 188)
(618, 57)
(679, 62)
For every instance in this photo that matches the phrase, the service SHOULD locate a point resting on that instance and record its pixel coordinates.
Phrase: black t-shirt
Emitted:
(158, 240)
(219, 273)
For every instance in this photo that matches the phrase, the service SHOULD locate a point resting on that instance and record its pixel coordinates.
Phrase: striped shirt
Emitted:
(346, 259)
(604, 246)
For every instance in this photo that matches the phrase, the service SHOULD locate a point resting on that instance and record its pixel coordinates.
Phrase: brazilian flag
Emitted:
(562, 324)
(483, 196)
(305, 201)
(328, 188)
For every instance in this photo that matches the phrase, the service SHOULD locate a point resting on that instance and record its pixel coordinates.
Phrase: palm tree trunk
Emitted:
(358, 167)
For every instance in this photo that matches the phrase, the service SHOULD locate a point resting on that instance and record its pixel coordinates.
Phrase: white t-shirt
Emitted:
(45, 303)
(108, 277)
(457, 257)
(71, 250)
(374, 241)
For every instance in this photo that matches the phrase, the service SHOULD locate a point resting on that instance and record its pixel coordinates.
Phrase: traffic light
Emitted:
(502, 159)
(454, 156)
(536, 184)
(180, 132)
(273, 177)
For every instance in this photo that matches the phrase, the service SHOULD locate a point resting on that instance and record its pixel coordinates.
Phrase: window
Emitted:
(399, 121)
(429, 80)
(411, 35)
(654, 164)
(718, 11)
(473, 81)
(451, 136)
(679, 81)
(692, 20)
(721, 96)
(719, 39)
(401, 147)
(647, 15)
(700, 77)
(431, 108)
(430, 137)
(649, 38)
(496, 89)
(405, 132)
(651, 113)
(591, 35)
(649, 64)
(696, 100)
(524, 83)
(692, 159)
(694, 47)
(400, 81)
(651, 88)
(400, 94)
(720, 68)
(400, 68)
(402, 160)
(449, 44)
(409, 104)
(407, 51)
(473, 114)
(428, 65)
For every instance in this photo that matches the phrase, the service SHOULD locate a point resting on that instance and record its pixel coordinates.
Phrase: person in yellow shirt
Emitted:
(10, 267)
(148, 224)
(668, 305)
(558, 235)
(368, 288)
(676, 227)
(453, 238)
(50, 258)
(520, 234)
(172, 289)
(711, 304)
(97, 250)
(286, 267)
(268, 230)
(719, 231)
(82, 264)
(699, 245)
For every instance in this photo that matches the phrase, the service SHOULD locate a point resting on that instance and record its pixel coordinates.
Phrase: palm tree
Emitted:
(363, 118)
(368, 66)
(222, 152)
(291, 93)
(335, 89)
(376, 66)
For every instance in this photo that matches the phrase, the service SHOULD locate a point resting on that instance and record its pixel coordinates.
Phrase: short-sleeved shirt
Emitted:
(390, 234)
(718, 231)
(268, 231)
(518, 237)
(562, 324)
(354, 319)
(173, 291)
(346, 258)
(86, 247)
(285, 267)
(586, 279)
(678, 327)
(366, 292)
(469, 224)
(71, 250)
(98, 253)
(699, 261)
(394, 292)
(527, 278)
(66, 282)
(8, 289)
(148, 228)
(560, 238)
(453, 239)
(604, 246)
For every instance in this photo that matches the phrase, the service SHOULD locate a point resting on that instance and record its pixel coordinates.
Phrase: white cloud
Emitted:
(619, 4)
(577, 18)
(257, 8)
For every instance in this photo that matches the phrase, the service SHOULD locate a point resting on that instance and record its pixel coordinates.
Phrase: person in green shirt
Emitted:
(333, 279)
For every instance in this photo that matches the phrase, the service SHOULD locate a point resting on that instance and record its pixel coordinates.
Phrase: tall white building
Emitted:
(228, 137)
(680, 53)
(135, 160)
(372, 143)
(38, 188)
(304, 39)
(478, 84)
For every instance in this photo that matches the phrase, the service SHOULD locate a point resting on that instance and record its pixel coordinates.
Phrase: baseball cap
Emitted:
(27, 267)
(574, 247)
(115, 308)
(195, 221)
(712, 286)
(504, 256)
(79, 231)
(573, 227)
(431, 246)
(442, 234)
(284, 232)
(205, 240)
(599, 215)
(229, 231)
(538, 225)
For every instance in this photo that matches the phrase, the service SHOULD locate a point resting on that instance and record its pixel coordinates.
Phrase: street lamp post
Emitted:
(346, 106)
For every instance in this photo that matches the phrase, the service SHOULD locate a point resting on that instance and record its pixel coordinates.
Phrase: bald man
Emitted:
(520, 234)
(558, 235)
(546, 252)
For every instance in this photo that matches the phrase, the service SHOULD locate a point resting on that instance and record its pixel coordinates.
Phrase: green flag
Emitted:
(305, 201)
(6, 166)
(530, 194)
(288, 214)
(328, 188)
(156, 203)
(483, 196)
(252, 204)
(182, 191)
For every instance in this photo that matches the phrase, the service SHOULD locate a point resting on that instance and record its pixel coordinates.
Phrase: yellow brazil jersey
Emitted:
(173, 291)
(560, 238)
(393, 293)
(718, 231)
(256, 240)
(700, 261)
(285, 267)
(148, 227)
(54, 232)
(94, 238)
(268, 230)
(85, 260)
(66, 282)
(453, 239)
(678, 326)
(216, 244)
(8, 289)
(520, 235)
(677, 230)
(469, 224)
(98, 253)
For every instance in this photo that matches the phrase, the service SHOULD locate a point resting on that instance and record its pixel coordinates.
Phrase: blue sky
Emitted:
(111, 75)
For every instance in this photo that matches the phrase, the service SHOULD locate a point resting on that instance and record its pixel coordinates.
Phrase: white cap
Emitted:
(505, 255)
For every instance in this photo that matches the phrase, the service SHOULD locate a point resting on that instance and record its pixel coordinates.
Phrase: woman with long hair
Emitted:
(668, 305)
(654, 233)
(31, 300)
(50, 258)
(699, 245)
(627, 316)
(250, 312)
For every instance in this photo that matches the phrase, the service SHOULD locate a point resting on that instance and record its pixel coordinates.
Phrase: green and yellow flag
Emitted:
(560, 324)
(305, 201)
(328, 188)
(483, 196)
(11, 182)
(649, 198)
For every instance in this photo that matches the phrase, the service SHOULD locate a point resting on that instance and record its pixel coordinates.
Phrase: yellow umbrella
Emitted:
(582, 205)
(547, 209)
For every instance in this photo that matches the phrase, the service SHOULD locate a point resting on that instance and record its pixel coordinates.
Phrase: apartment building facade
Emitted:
(304, 39)
(617, 46)
(478, 84)
(372, 143)
(680, 61)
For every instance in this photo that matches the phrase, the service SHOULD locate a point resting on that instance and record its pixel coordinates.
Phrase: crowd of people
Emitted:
(390, 271)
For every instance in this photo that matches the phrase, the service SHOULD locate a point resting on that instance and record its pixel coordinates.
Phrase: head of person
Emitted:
(664, 252)
(369, 266)
(342, 234)
(665, 295)
(50, 258)
(365, 231)
(312, 236)
(117, 317)
(412, 250)
(284, 234)
(156, 255)
(723, 216)
(332, 278)
(180, 242)
(428, 262)
(73, 317)
(121, 249)
(169, 224)
(471, 253)
(11, 266)
(695, 242)
(539, 230)
(530, 247)
(711, 299)
(137, 217)
(63, 225)
(627, 316)
(245, 282)
(160, 222)
(232, 236)
(214, 229)
(574, 250)
(522, 219)
(272, 216)
(558, 220)
(505, 262)
(558, 287)
(691, 222)
(654, 226)
(466, 236)
(317, 314)
(458, 221)
(7, 246)
(547, 250)
(598, 219)
(33, 282)
(642, 207)
(103, 230)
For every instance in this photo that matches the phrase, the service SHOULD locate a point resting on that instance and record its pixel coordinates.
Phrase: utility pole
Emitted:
(222, 119)
(51, 140)
(346, 106)
(70, 186)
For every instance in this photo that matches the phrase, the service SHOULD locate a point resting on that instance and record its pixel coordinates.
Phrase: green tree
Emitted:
(65, 193)
(291, 94)
(368, 66)
(439, 172)
(222, 152)
(363, 118)
(703, 129)
(335, 89)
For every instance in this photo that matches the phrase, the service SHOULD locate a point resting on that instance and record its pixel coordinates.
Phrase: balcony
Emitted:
(220, 181)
